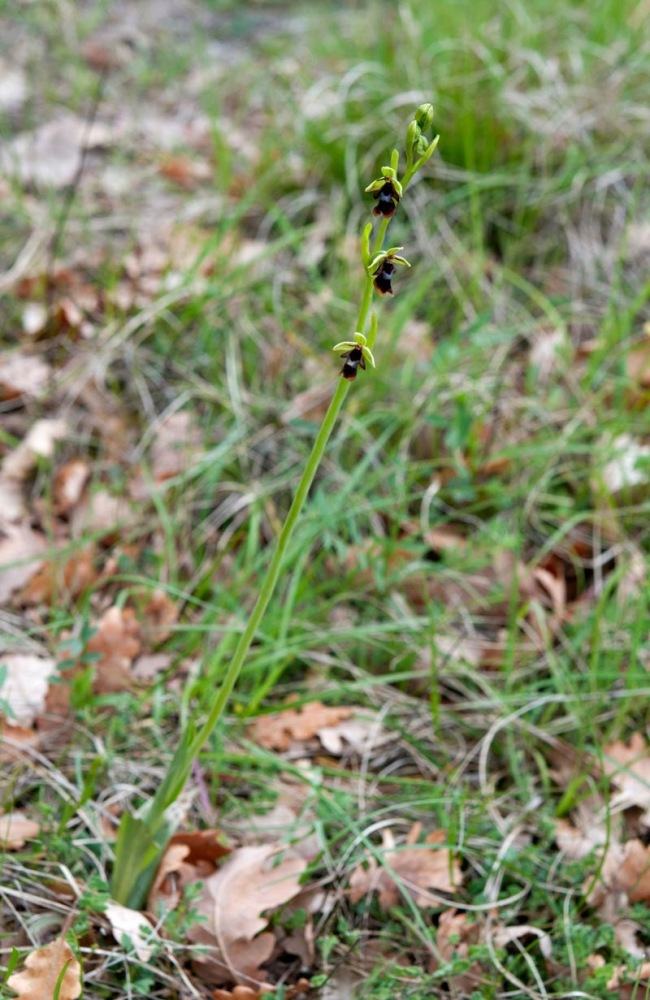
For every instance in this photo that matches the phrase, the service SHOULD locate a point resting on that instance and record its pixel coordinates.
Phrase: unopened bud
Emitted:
(424, 117)
(420, 146)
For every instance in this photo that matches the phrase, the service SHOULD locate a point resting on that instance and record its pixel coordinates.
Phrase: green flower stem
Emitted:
(273, 572)
(367, 292)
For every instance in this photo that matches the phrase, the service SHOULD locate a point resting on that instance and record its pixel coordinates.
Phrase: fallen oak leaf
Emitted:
(629, 982)
(22, 375)
(16, 829)
(237, 902)
(21, 462)
(51, 580)
(248, 993)
(134, 926)
(22, 553)
(188, 857)
(116, 643)
(50, 972)
(24, 689)
(628, 765)
(279, 730)
(69, 485)
(159, 614)
(634, 874)
(176, 444)
(623, 877)
(455, 935)
(417, 869)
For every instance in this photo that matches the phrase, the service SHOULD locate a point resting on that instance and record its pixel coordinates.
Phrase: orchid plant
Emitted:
(143, 836)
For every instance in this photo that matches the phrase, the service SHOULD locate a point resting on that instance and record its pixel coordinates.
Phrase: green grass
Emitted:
(525, 223)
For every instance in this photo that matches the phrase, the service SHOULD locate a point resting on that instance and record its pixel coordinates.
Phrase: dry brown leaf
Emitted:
(15, 829)
(628, 765)
(25, 687)
(175, 445)
(456, 932)
(69, 485)
(248, 993)
(185, 172)
(278, 730)
(577, 843)
(133, 925)
(623, 878)
(629, 982)
(442, 539)
(21, 462)
(239, 993)
(117, 641)
(234, 900)
(15, 740)
(22, 375)
(604, 891)
(633, 876)
(38, 443)
(167, 888)
(352, 736)
(637, 364)
(628, 934)
(52, 581)
(590, 829)
(419, 869)
(147, 667)
(159, 614)
(102, 514)
(21, 556)
(43, 967)
(188, 858)
(51, 154)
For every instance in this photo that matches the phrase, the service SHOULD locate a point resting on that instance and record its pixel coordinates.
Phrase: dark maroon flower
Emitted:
(382, 269)
(387, 200)
(386, 191)
(383, 277)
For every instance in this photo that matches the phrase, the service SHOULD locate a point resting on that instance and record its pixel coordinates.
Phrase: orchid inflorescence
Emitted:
(381, 265)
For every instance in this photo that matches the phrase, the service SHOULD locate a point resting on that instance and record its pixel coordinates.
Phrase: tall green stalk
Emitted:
(142, 838)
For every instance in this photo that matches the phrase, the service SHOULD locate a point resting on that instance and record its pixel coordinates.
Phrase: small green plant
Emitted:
(142, 837)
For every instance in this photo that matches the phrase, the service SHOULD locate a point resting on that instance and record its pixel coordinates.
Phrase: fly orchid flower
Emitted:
(356, 353)
(382, 267)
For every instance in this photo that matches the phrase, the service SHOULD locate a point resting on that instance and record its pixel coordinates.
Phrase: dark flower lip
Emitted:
(356, 354)
(387, 198)
(383, 277)
(354, 360)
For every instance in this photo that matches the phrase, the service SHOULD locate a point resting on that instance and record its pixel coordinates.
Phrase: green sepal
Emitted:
(387, 174)
(369, 356)
(384, 255)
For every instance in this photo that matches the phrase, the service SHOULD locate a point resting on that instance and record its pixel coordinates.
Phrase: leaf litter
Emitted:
(606, 834)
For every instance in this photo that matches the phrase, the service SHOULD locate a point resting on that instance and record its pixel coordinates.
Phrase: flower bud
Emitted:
(424, 117)
(420, 146)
